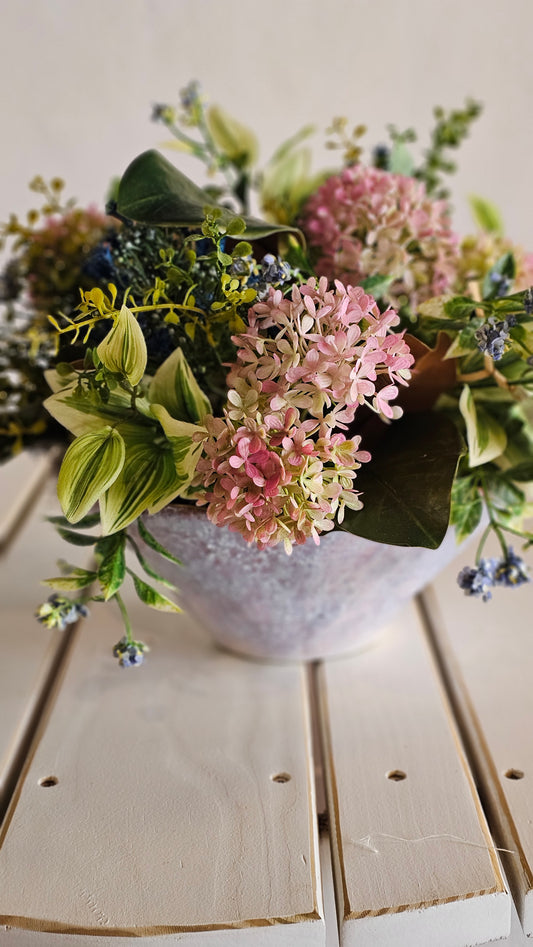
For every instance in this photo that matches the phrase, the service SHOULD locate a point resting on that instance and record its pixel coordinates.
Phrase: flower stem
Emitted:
(125, 617)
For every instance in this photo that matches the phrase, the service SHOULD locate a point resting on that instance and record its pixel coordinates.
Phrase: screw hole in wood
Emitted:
(280, 778)
(396, 775)
(48, 781)
(514, 774)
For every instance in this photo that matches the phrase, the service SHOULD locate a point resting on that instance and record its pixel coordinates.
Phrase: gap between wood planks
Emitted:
(467, 737)
(35, 726)
(329, 894)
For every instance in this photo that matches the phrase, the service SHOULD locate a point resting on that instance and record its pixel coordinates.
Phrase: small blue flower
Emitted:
(492, 336)
(190, 95)
(480, 580)
(60, 611)
(512, 570)
(272, 271)
(129, 653)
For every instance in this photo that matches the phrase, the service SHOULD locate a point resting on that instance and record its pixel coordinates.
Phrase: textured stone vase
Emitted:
(320, 601)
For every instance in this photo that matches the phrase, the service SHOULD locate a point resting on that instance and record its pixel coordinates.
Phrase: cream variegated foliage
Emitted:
(91, 464)
(485, 437)
(175, 387)
(123, 350)
(154, 473)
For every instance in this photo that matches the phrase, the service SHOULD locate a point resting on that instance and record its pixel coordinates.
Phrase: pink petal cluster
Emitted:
(276, 467)
(366, 222)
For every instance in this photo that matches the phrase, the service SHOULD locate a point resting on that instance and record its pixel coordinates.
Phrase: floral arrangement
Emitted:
(341, 361)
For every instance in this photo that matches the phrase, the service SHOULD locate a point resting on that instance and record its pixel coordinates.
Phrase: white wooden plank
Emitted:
(21, 481)
(166, 819)
(486, 648)
(29, 651)
(414, 861)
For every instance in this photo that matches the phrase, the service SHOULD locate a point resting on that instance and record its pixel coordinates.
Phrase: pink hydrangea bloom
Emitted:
(277, 467)
(366, 222)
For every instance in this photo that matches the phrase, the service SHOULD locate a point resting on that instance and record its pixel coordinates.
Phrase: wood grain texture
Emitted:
(487, 653)
(21, 481)
(165, 818)
(29, 651)
(414, 861)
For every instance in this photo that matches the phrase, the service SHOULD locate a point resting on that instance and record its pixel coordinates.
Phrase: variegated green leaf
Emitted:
(123, 350)
(485, 437)
(110, 554)
(181, 435)
(78, 579)
(91, 464)
(233, 139)
(151, 597)
(175, 387)
(150, 478)
(81, 412)
(148, 568)
(152, 542)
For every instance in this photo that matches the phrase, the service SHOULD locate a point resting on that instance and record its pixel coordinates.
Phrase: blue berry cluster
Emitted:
(492, 336)
(129, 653)
(510, 571)
(60, 611)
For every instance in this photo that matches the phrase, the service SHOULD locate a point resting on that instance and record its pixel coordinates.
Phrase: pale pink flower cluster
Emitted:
(366, 222)
(277, 467)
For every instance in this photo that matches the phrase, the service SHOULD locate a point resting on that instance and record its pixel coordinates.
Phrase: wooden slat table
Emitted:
(205, 799)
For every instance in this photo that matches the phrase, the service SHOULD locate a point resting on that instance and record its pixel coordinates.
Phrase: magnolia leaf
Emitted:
(91, 464)
(152, 542)
(486, 215)
(123, 350)
(406, 487)
(175, 387)
(153, 191)
(485, 437)
(110, 553)
(151, 597)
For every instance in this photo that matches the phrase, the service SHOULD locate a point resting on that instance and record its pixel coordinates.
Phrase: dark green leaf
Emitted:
(151, 541)
(92, 519)
(407, 485)
(521, 472)
(112, 563)
(153, 191)
(459, 307)
(77, 539)
(148, 568)
(151, 597)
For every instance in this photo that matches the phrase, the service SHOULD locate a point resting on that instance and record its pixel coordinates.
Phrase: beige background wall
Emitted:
(79, 77)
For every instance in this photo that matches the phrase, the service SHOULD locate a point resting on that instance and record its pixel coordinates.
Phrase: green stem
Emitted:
(125, 617)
